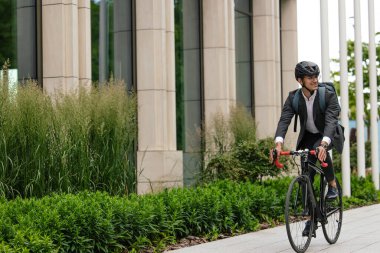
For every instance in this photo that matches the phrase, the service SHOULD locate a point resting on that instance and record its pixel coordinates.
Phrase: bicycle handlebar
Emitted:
(298, 152)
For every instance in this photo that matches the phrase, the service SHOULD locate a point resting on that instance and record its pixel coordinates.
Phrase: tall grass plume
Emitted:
(82, 141)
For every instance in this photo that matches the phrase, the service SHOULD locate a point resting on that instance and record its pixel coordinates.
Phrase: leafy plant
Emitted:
(98, 222)
(351, 77)
(353, 157)
(235, 152)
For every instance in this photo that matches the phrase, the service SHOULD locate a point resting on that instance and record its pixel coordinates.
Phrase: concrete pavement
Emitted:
(360, 234)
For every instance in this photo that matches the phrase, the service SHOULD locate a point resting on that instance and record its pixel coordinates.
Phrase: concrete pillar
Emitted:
(219, 57)
(159, 164)
(267, 77)
(289, 58)
(84, 43)
(62, 22)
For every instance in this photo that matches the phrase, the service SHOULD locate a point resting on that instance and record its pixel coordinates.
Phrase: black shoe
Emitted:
(306, 230)
(332, 193)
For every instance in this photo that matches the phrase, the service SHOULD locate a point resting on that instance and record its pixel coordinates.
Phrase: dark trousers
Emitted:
(312, 141)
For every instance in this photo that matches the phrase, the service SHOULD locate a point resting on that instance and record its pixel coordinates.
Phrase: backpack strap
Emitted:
(322, 98)
(295, 102)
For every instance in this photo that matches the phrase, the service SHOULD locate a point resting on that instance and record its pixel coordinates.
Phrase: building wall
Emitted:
(66, 39)
(289, 58)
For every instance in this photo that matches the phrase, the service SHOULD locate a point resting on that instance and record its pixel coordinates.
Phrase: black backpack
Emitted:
(322, 99)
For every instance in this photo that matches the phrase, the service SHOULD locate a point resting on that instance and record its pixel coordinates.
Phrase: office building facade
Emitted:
(186, 59)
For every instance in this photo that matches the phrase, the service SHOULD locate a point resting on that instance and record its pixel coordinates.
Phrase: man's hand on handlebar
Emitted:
(322, 151)
(278, 149)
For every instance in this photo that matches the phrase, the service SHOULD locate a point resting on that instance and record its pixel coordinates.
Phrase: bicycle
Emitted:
(303, 204)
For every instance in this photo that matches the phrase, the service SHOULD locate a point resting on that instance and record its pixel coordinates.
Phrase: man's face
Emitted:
(310, 82)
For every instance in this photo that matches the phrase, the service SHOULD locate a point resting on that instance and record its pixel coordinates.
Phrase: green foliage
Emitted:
(352, 72)
(235, 151)
(98, 222)
(353, 157)
(363, 188)
(76, 142)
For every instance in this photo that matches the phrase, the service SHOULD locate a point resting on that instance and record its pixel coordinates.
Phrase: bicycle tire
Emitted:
(333, 212)
(296, 216)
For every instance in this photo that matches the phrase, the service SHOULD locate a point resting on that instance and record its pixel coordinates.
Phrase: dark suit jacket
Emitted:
(326, 122)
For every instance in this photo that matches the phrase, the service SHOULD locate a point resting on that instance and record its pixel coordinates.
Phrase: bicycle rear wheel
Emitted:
(297, 213)
(333, 211)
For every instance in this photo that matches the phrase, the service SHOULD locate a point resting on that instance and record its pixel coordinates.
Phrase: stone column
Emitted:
(66, 39)
(60, 50)
(84, 22)
(219, 57)
(159, 164)
(289, 58)
(267, 77)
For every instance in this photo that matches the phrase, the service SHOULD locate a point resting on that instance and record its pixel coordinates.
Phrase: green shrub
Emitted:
(90, 222)
(353, 157)
(98, 222)
(235, 152)
(76, 142)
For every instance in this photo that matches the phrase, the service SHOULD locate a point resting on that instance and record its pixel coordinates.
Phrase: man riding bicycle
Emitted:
(318, 128)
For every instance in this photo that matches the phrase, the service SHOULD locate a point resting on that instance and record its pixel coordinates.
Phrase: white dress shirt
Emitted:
(310, 125)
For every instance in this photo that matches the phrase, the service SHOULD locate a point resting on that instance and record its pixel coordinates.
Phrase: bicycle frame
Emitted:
(320, 215)
(306, 167)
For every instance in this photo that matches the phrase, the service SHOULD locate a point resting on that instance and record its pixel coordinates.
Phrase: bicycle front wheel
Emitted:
(333, 212)
(299, 214)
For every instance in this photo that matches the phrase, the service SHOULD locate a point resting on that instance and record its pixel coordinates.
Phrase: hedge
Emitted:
(98, 222)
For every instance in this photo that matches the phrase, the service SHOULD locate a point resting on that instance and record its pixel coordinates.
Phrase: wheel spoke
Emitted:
(333, 217)
(296, 215)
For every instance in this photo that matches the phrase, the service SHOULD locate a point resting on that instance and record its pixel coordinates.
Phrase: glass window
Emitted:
(188, 84)
(18, 39)
(8, 32)
(112, 39)
(243, 47)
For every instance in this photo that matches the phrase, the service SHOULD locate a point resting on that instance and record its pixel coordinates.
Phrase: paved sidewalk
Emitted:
(360, 234)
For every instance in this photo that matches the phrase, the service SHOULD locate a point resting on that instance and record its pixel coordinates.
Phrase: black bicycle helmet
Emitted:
(306, 68)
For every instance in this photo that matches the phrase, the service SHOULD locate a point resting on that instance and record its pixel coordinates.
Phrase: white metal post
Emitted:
(325, 41)
(324, 13)
(359, 91)
(346, 170)
(373, 95)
